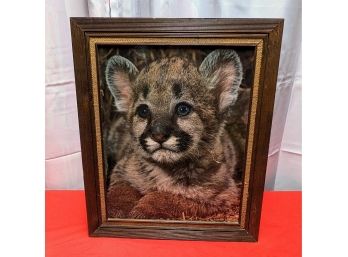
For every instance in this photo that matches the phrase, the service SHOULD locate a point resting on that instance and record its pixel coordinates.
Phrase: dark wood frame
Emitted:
(267, 30)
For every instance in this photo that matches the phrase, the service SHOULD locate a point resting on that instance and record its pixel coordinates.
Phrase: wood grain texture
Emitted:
(269, 30)
(85, 124)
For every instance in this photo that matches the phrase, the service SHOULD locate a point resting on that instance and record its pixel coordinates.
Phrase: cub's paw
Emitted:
(120, 200)
(142, 212)
(117, 212)
(153, 206)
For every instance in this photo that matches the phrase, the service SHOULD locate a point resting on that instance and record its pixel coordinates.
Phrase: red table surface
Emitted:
(66, 232)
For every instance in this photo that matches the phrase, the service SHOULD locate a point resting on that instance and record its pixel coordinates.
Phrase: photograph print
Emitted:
(174, 123)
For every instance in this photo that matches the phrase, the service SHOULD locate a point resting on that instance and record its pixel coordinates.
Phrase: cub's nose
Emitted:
(159, 138)
(160, 132)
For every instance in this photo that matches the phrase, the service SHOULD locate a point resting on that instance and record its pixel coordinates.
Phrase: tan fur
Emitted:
(192, 170)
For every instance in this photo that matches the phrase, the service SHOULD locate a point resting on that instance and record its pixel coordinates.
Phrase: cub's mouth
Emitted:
(164, 149)
(168, 150)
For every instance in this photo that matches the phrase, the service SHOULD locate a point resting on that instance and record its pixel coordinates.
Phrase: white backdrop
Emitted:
(63, 157)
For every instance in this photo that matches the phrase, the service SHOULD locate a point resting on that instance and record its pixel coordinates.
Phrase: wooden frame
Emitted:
(263, 34)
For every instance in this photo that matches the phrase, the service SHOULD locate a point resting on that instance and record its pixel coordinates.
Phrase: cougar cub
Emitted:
(179, 160)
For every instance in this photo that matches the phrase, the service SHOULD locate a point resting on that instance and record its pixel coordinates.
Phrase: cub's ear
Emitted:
(119, 74)
(224, 73)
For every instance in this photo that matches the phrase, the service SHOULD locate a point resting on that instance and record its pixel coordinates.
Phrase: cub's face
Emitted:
(168, 110)
(174, 108)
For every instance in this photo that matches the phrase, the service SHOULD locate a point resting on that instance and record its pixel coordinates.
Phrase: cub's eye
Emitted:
(143, 111)
(183, 109)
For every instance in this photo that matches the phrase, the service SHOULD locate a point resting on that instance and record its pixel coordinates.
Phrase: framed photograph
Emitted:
(175, 118)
